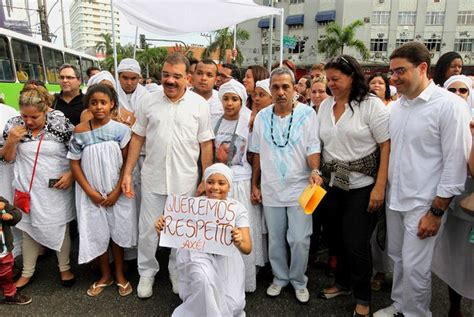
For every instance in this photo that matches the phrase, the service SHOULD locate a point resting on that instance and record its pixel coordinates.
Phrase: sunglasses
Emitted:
(30, 100)
(462, 91)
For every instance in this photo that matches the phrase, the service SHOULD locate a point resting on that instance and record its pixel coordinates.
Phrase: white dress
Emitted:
(453, 259)
(241, 187)
(51, 209)
(101, 161)
(212, 285)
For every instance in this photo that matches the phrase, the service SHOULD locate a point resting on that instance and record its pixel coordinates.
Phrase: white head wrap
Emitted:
(264, 84)
(100, 76)
(219, 168)
(153, 87)
(129, 65)
(235, 87)
(466, 81)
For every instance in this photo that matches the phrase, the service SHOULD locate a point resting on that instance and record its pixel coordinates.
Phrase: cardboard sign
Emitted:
(199, 224)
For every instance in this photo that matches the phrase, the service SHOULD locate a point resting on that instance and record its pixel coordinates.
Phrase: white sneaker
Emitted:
(174, 283)
(145, 287)
(389, 311)
(302, 295)
(274, 290)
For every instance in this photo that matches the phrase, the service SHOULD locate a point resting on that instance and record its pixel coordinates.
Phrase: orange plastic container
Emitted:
(311, 197)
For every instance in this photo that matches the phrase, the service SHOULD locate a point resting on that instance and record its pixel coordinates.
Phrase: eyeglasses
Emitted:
(461, 90)
(397, 72)
(67, 77)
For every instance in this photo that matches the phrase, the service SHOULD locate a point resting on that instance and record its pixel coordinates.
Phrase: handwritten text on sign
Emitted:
(200, 224)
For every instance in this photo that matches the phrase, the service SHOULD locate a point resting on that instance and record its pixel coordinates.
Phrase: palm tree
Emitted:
(152, 59)
(338, 37)
(224, 40)
(105, 44)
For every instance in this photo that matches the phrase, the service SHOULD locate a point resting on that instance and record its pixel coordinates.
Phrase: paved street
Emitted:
(50, 299)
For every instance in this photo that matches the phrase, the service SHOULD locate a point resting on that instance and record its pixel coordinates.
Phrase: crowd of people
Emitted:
(392, 150)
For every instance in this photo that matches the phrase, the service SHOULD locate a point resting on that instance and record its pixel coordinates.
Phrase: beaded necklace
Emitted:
(289, 128)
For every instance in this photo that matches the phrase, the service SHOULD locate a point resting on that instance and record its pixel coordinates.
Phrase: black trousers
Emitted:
(350, 227)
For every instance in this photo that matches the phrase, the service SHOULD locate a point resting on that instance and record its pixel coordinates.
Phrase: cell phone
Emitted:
(52, 182)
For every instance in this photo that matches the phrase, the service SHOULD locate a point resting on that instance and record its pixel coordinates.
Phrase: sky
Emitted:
(127, 31)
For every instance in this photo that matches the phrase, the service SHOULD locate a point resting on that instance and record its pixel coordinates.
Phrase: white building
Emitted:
(89, 19)
(441, 24)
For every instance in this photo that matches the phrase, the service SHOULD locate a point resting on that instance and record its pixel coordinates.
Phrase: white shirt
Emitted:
(215, 107)
(6, 112)
(285, 170)
(355, 135)
(173, 132)
(430, 144)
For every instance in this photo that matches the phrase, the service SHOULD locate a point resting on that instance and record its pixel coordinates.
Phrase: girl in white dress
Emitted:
(209, 284)
(105, 216)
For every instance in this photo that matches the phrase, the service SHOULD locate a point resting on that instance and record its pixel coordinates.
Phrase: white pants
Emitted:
(412, 257)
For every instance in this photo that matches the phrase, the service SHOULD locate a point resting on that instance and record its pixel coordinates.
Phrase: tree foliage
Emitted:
(338, 37)
(224, 40)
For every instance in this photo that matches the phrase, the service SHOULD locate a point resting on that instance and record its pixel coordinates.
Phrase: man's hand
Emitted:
(127, 186)
(315, 179)
(428, 226)
(256, 195)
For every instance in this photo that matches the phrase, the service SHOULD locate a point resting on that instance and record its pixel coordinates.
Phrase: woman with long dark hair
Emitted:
(355, 132)
(448, 64)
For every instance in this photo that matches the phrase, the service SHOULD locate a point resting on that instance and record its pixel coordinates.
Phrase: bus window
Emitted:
(6, 70)
(73, 60)
(27, 61)
(52, 61)
(85, 64)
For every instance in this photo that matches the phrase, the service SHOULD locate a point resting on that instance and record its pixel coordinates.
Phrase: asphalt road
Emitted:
(51, 299)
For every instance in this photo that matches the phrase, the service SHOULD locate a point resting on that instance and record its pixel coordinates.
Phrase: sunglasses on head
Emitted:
(462, 91)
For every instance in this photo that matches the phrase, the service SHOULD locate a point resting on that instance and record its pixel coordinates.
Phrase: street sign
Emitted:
(289, 42)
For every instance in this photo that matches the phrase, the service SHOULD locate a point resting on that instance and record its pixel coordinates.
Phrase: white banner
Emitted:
(199, 224)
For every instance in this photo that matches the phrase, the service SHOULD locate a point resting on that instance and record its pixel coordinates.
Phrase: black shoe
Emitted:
(68, 283)
(17, 299)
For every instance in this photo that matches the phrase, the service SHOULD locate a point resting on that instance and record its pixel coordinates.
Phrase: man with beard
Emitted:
(429, 130)
(174, 126)
(69, 100)
(203, 79)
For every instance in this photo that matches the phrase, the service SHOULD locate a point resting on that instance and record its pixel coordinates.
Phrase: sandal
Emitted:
(377, 282)
(342, 292)
(125, 290)
(96, 289)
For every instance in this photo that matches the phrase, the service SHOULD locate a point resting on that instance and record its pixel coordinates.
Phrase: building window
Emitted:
(296, 1)
(378, 45)
(463, 45)
(400, 42)
(434, 18)
(380, 17)
(433, 44)
(406, 17)
(466, 17)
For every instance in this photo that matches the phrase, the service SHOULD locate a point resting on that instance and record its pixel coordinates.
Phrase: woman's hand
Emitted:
(17, 133)
(112, 198)
(160, 224)
(96, 198)
(377, 196)
(65, 181)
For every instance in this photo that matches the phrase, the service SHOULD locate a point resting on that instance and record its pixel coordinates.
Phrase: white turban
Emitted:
(235, 87)
(129, 65)
(466, 81)
(99, 77)
(264, 84)
(219, 168)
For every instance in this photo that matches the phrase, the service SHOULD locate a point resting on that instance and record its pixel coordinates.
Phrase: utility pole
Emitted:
(43, 20)
(64, 24)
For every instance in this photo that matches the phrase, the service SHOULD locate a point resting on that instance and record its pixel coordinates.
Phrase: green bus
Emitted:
(23, 57)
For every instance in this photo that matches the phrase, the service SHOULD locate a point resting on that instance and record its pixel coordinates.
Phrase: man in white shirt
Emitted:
(129, 90)
(174, 126)
(429, 129)
(286, 144)
(204, 78)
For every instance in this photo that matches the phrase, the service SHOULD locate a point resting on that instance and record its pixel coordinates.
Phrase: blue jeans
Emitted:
(292, 225)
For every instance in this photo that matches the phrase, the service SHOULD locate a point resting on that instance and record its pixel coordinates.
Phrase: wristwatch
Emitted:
(316, 172)
(437, 211)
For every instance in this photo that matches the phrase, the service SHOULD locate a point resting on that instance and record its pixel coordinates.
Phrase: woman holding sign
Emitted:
(231, 143)
(209, 284)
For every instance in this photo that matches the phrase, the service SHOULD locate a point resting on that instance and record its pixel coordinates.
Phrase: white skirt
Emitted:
(101, 164)
(240, 191)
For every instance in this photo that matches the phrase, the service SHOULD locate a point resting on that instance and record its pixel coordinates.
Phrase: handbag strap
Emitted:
(36, 161)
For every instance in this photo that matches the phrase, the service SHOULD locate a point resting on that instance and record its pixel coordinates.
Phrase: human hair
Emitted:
(74, 68)
(193, 61)
(177, 58)
(282, 71)
(91, 69)
(101, 88)
(415, 52)
(208, 61)
(349, 66)
(38, 97)
(386, 82)
(319, 67)
(308, 81)
(286, 63)
(444, 61)
(258, 72)
(235, 70)
(34, 82)
(321, 79)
